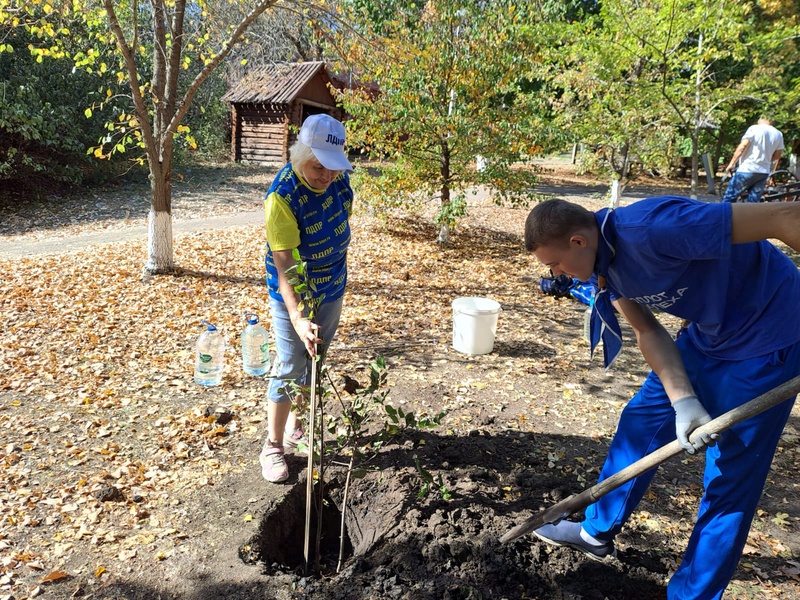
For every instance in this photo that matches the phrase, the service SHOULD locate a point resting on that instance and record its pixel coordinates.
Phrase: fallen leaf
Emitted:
(55, 576)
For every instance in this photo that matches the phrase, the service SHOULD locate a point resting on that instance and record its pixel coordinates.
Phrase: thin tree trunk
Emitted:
(618, 184)
(159, 226)
(616, 193)
(698, 80)
(444, 231)
(158, 131)
(717, 152)
(695, 161)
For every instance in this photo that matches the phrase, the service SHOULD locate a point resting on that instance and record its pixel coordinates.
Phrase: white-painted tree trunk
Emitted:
(616, 193)
(159, 242)
(159, 118)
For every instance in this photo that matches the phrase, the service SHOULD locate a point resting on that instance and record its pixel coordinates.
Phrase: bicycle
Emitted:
(782, 186)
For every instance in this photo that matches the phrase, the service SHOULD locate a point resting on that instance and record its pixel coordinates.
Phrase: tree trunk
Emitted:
(159, 225)
(444, 230)
(169, 110)
(695, 162)
(616, 192)
(619, 182)
(717, 152)
(698, 81)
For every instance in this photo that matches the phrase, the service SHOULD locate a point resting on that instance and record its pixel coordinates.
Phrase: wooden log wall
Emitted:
(260, 133)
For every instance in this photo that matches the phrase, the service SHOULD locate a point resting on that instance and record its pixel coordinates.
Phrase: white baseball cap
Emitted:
(325, 136)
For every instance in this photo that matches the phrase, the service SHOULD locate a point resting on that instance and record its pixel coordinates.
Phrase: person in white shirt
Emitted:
(761, 148)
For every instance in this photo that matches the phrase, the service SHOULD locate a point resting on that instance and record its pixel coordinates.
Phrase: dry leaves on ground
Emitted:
(106, 439)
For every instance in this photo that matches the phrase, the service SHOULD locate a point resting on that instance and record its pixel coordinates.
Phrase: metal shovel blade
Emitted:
(725, 421)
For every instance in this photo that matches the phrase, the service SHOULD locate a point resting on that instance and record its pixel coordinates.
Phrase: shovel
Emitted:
(725, 421)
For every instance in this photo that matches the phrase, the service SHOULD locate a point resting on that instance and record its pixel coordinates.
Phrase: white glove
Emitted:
(689, 415)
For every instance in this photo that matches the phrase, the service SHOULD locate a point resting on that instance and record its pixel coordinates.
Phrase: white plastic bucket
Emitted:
(474, 325)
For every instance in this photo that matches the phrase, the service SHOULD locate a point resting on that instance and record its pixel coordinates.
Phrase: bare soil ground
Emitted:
(121, 479)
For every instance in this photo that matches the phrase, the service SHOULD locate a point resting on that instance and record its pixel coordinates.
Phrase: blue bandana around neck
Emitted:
(604, 324)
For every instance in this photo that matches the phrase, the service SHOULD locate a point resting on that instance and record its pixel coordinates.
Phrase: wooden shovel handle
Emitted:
(725, 421)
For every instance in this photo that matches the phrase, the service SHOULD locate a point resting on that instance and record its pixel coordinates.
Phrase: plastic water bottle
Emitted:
(209, 356)
(255, 346)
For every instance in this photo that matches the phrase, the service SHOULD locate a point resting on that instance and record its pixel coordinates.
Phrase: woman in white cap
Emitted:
(307, 208)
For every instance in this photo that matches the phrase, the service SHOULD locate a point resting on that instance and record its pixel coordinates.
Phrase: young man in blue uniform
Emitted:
(710, 265)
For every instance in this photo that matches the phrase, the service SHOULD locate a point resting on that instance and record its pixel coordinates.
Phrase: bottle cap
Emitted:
(210, 326)
(251, 318)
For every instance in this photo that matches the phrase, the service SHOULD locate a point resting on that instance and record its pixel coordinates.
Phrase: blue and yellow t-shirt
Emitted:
(316, 222)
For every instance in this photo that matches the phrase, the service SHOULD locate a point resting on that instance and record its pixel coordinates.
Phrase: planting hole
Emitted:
(280, 541)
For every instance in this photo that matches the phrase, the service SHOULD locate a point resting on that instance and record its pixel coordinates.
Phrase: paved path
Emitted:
(22, 248)
(14, 249)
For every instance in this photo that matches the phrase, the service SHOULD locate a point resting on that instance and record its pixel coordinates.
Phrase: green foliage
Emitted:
(501, 80)
(685, 147)
(207, 119)
(772, 80)
(383, 15)
(569, 11)
(429, 483)
(304, 285)
(44, 132)
(642, 78)
(450, 85)
(367, 407)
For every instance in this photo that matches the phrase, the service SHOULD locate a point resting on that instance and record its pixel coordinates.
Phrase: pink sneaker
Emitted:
(273, 464)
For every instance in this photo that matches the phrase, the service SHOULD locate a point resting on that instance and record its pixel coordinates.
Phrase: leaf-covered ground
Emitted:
(122, 479)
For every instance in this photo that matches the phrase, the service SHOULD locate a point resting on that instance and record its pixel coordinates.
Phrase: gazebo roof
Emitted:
(277, 83)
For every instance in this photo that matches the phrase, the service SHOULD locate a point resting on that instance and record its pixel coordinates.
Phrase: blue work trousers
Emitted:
(735, 470)
(292, 363)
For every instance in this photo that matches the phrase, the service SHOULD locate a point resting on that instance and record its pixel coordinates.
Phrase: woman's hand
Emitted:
(308, 333)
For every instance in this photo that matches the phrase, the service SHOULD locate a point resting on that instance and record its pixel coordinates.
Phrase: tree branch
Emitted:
(185, 103)
(133, 79)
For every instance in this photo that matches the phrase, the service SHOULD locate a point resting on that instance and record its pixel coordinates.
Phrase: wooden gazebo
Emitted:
(267, 101)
